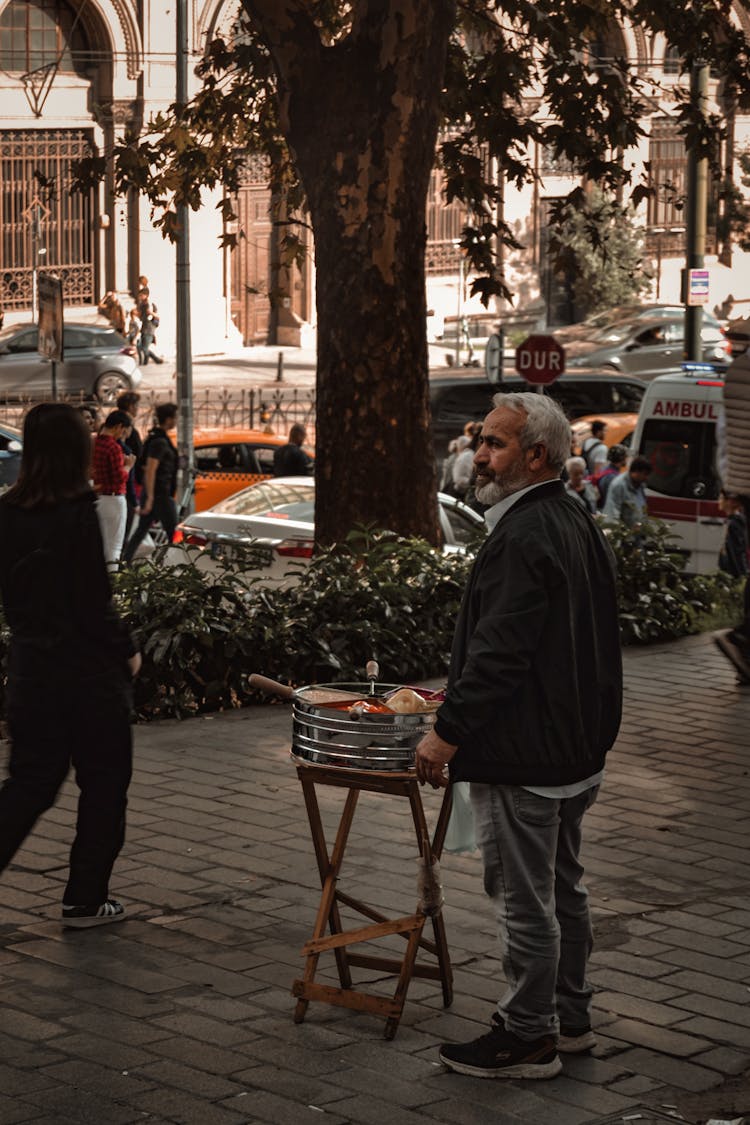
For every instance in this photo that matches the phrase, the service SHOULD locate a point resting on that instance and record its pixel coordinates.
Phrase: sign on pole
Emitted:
(50, 339)
(540, 360)
(698, 286)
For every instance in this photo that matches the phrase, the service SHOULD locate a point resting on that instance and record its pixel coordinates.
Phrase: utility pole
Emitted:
(697, 198)
(184, 342)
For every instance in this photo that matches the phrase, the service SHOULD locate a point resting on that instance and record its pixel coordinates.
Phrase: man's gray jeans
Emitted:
(532, 873)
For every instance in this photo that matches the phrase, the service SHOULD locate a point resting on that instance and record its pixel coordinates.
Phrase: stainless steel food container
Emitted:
(332, 737)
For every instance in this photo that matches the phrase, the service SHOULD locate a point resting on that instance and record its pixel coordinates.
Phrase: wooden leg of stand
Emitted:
(436, 850)
(327, 911)
(404, 979)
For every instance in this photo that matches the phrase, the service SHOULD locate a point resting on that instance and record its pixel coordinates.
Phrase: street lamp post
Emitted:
(697, 198)
(184, 374)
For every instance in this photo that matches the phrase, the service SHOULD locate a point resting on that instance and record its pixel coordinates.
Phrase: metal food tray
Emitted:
(331, 737)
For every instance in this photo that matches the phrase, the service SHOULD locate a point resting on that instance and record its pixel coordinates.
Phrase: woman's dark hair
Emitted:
(55, 459)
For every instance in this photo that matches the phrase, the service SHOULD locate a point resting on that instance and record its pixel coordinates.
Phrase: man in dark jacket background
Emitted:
(290, 460)
(532, 707)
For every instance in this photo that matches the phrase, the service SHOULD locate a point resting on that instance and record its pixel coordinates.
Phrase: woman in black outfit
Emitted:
(71, 661)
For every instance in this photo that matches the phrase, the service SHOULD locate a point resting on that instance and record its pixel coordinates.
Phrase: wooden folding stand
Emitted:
(397, 784)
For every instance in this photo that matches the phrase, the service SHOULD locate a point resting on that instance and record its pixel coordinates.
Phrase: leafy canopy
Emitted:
(520, 74)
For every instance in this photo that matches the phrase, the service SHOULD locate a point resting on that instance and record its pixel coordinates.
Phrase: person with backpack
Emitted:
(158, 468)
(603, 477)
(594, 450)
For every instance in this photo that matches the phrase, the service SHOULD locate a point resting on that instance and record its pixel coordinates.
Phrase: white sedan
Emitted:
(274, 520)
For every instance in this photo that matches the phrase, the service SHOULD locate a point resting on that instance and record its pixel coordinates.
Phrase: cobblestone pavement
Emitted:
(183, 1013)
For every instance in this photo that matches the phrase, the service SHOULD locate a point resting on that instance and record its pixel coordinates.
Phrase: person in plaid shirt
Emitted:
(110, 469)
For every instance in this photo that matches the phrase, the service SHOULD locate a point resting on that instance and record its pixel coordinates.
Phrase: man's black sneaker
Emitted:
(500, 1054)
(575, 1040)
(82, 917)
(732, 646)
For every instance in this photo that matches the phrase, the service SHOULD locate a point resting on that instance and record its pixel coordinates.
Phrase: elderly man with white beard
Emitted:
(533, 704)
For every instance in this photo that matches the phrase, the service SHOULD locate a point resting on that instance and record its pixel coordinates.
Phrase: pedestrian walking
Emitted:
(158, 464)
(290, 460)
(578, 487)
(532, 706)
(149, 323)
(133, 333)
(70, 664)
(602, 479)
(733, 554)
(735, 643)
(129, 401)
(626, 496)
(594, 449)
(110, 469)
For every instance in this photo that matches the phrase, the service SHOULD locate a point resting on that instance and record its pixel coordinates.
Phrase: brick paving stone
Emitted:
(718, 1030)
(12, 1111)
(106, 1081)
(726, 1060)
(191, 1080)
(672, 1072)
(214, 1060)
(636, 1008)
(183, 1109)
(273, 1110)
(718, 968)
(663, 1039)
(730, 1014)
(82, 1106)
(222, 889)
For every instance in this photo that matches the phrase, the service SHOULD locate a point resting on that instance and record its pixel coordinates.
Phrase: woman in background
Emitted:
(71, 661)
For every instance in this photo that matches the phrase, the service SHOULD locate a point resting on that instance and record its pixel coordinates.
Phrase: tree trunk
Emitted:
(361, 119)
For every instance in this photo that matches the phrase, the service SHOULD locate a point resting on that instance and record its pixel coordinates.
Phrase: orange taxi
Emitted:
(620, 429)
(228, 460)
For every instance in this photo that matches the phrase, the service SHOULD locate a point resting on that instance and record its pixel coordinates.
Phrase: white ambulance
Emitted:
(676, 430)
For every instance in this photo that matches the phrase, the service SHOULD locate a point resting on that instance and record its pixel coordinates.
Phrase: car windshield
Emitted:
(269, 500)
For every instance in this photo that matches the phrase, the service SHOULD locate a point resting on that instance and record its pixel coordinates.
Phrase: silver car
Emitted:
(645, 348)
(274, 520)
(623, 314)
(97, 363)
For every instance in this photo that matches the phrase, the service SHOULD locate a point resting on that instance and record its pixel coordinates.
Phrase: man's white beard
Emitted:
(499, 488)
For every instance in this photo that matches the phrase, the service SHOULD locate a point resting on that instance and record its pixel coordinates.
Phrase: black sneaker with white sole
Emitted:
(575, 1040)
(500, 1054)
(83, 917)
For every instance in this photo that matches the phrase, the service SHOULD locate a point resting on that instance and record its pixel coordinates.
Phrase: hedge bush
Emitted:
(375, 596)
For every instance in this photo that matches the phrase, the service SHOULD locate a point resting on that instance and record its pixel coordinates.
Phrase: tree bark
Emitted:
(361, 119)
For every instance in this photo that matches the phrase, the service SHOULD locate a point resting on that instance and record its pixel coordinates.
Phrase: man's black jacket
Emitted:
(535, 685)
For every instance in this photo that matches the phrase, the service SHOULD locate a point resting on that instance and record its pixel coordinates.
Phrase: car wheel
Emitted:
(111, 384)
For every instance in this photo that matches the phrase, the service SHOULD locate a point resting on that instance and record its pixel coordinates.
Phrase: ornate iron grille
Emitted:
(29, 160)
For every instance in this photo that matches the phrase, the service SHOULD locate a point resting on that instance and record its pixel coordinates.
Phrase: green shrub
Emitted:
(657, 600)
(375, 596)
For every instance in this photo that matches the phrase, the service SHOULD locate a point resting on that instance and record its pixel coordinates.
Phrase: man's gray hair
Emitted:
(545, 424)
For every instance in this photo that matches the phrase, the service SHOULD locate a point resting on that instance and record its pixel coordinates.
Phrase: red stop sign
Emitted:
(540, 359)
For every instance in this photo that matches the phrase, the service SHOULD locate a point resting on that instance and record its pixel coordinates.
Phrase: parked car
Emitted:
(231, 459)
(459, 398)
(620, 428)
(277, 519)
(645, 348)
(97, 363)
(584, 329)
(11, 446)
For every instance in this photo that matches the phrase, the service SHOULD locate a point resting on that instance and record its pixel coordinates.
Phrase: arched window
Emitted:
(34, 33)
